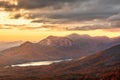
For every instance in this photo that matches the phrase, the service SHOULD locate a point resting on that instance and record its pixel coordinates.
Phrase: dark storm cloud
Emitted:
(92, 9)
(66, 11)
(88, 10)
(34, 4)
(78, 9)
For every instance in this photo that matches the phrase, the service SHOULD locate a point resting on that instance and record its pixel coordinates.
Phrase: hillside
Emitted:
(55, 48)
(104, 65)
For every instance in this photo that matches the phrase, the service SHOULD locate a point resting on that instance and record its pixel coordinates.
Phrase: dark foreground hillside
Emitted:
(35, 73)
(104, 65)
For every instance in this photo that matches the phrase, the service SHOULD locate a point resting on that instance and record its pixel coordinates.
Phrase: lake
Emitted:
(39, 63)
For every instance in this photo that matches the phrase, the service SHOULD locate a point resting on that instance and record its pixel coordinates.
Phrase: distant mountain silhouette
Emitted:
(6, 45)
(93, 44)
(104, 65)
(56, 48)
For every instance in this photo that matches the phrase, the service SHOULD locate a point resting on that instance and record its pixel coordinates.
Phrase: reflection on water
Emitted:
(40, 63)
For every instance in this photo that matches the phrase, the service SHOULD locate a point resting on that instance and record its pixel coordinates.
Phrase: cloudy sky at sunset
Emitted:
(36, 19)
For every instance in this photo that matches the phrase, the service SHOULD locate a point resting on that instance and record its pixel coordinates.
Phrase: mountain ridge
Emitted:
(58, 48)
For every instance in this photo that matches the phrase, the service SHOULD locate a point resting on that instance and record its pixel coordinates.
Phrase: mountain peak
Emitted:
(77, 36)
(56, 41)
(74, 34)
(51, 36)
(27, 43)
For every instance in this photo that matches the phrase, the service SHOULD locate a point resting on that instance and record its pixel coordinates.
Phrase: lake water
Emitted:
(40, 63)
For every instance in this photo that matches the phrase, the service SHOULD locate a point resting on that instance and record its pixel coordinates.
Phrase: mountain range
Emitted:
(56, 48)
(104, 65)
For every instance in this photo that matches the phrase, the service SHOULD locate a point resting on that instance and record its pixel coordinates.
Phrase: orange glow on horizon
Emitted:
(27, 35)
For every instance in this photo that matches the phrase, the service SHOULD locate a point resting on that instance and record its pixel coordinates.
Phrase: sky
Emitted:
(34, 20)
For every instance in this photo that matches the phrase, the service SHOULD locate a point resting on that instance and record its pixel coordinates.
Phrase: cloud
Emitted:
(67, 12)
(71, 10)
(7, 6)
(5, 27)
(56, 4)
(115, 24)
(30, 27)
(75, 11)
(34, 4)
(18, 15)
(97, 25)
(114, 17)
(87, 28)
(112, 30)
